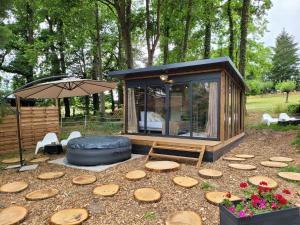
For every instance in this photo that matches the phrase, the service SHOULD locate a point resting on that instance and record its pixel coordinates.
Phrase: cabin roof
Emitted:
(221, 62)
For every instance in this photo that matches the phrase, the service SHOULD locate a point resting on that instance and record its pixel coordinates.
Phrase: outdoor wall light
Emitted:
(165, 79)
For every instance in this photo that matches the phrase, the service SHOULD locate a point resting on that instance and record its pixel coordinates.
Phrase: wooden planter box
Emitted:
(289, 216)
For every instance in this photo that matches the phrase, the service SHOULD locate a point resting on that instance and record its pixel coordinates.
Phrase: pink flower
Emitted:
(243, 184)
(286, 191)
(274, 205)
(262, 204)
(263, 183)
(242, 214)
(232, 209)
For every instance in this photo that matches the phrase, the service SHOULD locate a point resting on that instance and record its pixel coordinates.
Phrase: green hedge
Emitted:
(294, 108)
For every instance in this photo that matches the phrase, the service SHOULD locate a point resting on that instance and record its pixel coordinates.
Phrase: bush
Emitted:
(280, 108)
(258, 87)
(293, 108)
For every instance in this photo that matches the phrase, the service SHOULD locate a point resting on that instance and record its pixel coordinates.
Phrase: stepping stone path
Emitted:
(39, 160)
(162, 166)
(147, 195)
(69, 216)
(184, 218)
(290, 176)
(135, 175)
(217, 197)
(210, 173)
(84, 179)
(273, 164)
(11, 160)
(186, 182)
(233, 159)
(281, 159)
(14, 187)
(12, 215)
(107, 190)
(245, 156)
(51, 175)
(41, 194)
(257, 179)
(242, 166)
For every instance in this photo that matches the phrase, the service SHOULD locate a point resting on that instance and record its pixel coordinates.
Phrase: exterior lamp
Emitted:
(165, 79)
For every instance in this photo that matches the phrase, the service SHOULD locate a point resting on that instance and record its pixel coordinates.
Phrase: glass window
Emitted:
(135, 110)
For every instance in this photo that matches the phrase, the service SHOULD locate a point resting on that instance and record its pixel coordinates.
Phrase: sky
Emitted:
(284, 14)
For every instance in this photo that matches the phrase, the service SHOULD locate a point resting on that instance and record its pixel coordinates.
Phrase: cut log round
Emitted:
(11, 160)
(14, 187)
(12, 215)
(256, 180)
(51, 175)
(297, 204)
(39, 160)
(42, 194)
(244, 156)
(106, 190)
(273, 164)
(233, 159)
(281, 159)
(293, 176)
(184, 218)
(298, 192)
(135, 175)
(186, 182)
(147, 195)
(162, 166)
(210, 173)
(242, 166)
(217, 197)
(84, 179)
(69, 217)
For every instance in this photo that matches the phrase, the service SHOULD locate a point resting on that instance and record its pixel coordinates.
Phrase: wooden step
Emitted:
(173, 157)
(177, 148)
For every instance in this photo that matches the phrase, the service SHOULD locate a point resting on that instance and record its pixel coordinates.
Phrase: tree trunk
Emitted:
(166, 31)
(186, 30)
(30, 39)
(207, 40)
(231, 31)
(243, 39)
(112, 101)
(86, 98)
(287, 97)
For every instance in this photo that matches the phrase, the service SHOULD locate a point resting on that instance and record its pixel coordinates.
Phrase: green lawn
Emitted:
(269, 103)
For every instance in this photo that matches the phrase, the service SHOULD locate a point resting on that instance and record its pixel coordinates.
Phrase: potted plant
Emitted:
(261, 206)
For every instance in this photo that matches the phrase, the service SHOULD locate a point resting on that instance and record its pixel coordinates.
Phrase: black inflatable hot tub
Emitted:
(98, 150)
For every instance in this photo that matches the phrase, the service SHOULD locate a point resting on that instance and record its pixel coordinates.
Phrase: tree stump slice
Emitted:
(210, 173)
(11, 160)
(233, 159)
(242, 166)
(297, 204)
(186, 182)
(12, 215)
(39, 160)
(244, 156)
(257, 179)
(281, 159)
(135, 175)
(107, 190)
(184, 218)
(41, 194)
(217, 197)
(293, 176)
(298, 192)
(147, 195)
(273, 164)
(84, 179)
(69, 217)
(14, 187)
(51, 175)
(162, 166)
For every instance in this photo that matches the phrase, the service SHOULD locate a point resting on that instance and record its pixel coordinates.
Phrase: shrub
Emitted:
(293, 108)
(286, 86)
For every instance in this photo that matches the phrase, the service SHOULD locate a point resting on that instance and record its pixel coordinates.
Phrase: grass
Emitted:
(275, 127)
(206, 186)
(296, 142)
(149, 216)
(292, 168)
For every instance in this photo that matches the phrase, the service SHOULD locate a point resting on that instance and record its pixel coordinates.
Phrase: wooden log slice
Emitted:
(12, 215)
(11, 160)
(217, 197)
(147, 195)
(244, 156)
(39, 160)
(84, 179)
(51, 175)
(273, 164)
(184, 218)
(297, 204)
(135, 175)
(233, 159)
(256, 180)
(162, 166)
(41, 194)
(69, 217)
(210, 173)
(281, 159)
(242, 166)
(298, 192)
(293, 176)
(14, 187)
(186, 182)
(107, 190)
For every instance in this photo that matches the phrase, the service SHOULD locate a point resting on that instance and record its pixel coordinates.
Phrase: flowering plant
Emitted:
(258, 200)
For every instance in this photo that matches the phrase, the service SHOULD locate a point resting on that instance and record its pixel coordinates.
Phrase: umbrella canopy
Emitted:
(69, 87)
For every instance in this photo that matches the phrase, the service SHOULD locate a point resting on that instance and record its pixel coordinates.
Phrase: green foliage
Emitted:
(206, 185)
(149, 216)
(258, 87)
(293, 108)
(296, 142)
(279, 108)
(286, 86)
(276, 127)
(291, 168)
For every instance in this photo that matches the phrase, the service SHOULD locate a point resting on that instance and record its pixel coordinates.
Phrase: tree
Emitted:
(286, 86)
(285, 59)
(230, 30)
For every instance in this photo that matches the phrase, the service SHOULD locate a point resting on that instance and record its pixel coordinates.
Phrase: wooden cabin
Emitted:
(188, 106)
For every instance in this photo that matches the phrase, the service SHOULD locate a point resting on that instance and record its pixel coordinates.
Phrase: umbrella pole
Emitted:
(19, 129)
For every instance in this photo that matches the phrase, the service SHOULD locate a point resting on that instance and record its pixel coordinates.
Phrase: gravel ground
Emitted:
(123, 209)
